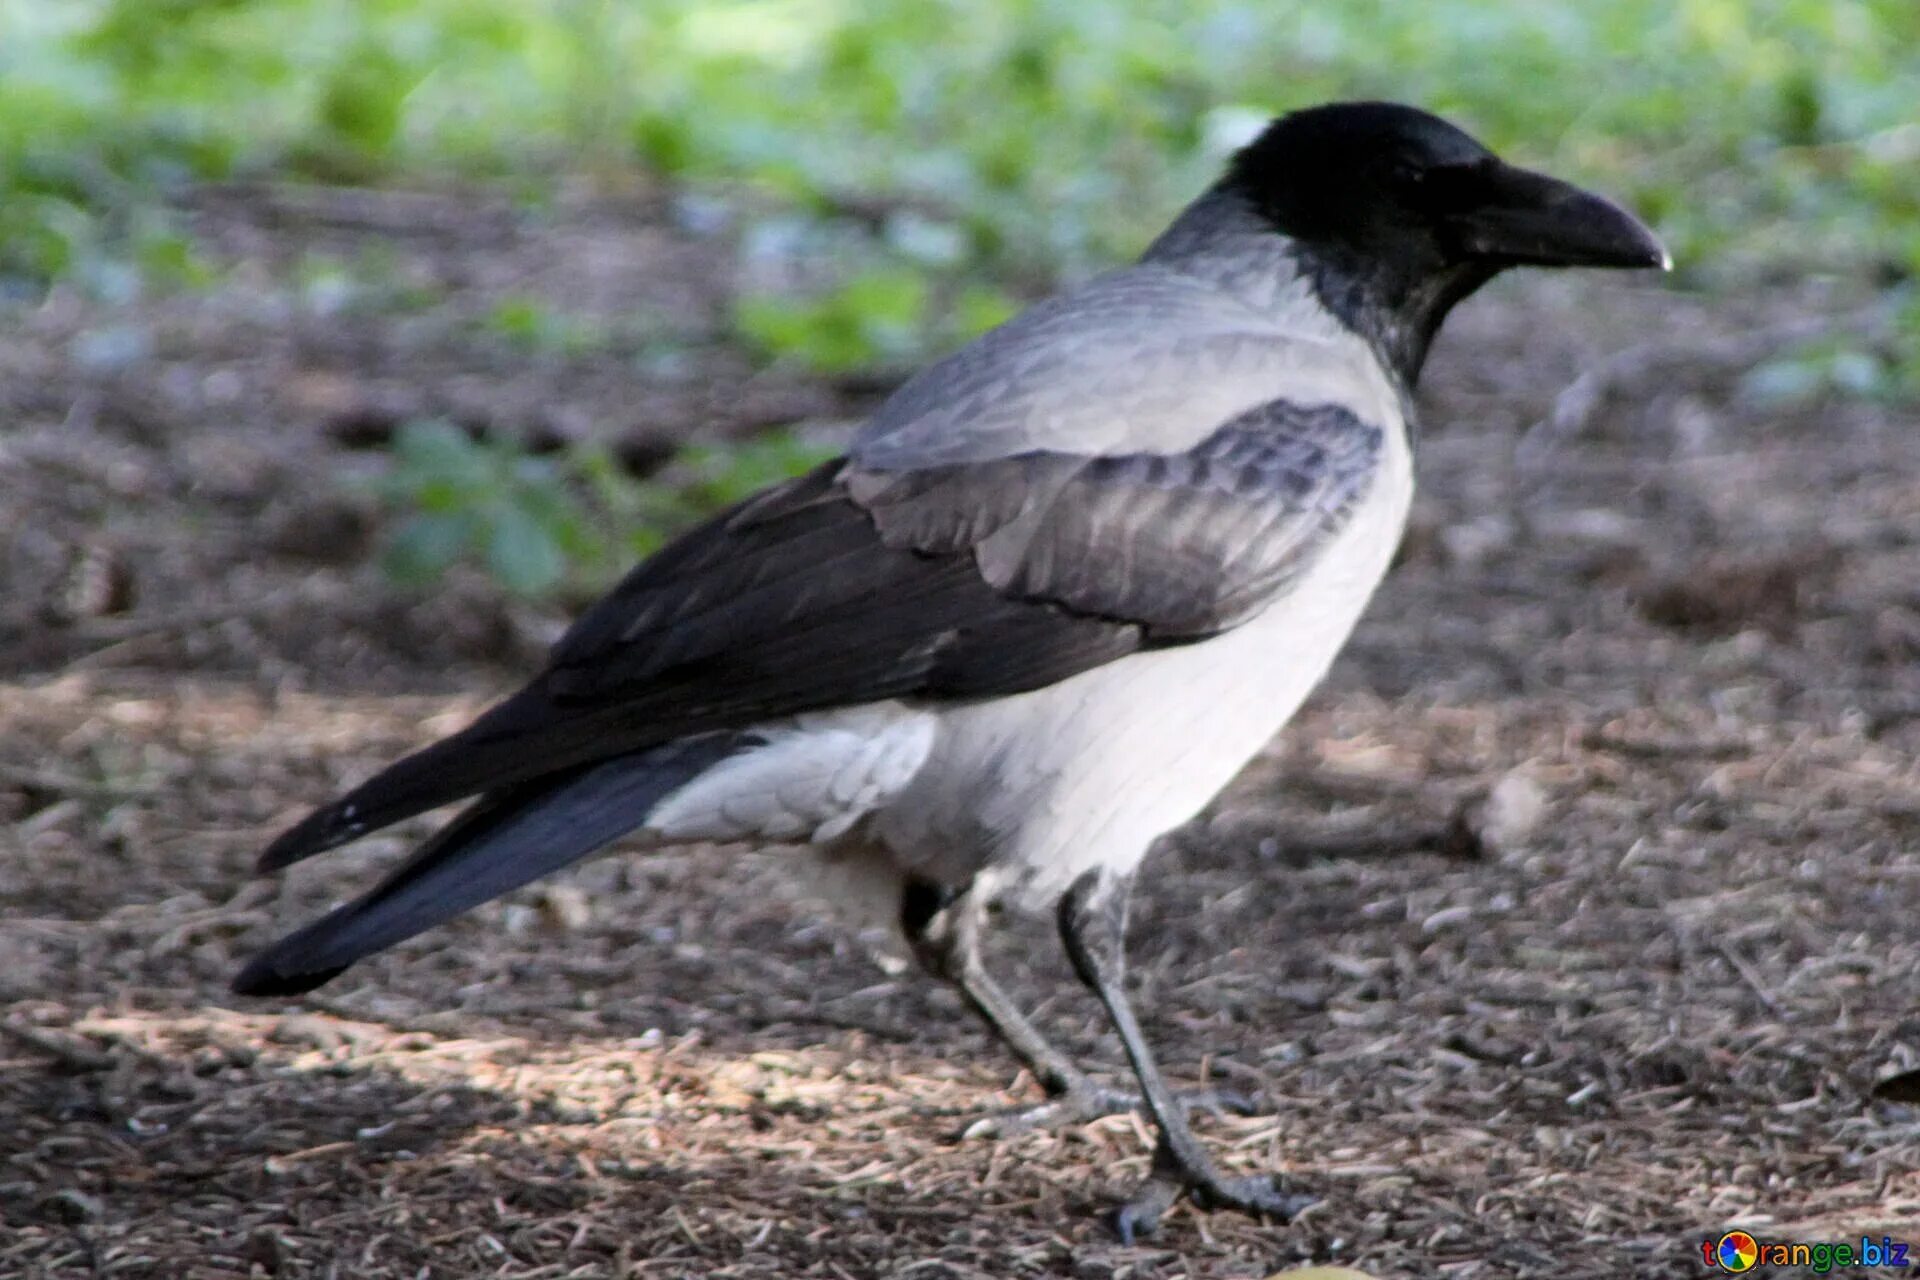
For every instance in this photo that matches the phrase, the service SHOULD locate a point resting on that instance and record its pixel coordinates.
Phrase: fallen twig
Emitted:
(71, 1052)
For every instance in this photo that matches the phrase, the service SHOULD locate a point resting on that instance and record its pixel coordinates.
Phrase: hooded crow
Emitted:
(1063, 585)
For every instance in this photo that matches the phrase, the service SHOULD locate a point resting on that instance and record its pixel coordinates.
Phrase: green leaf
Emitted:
(522, 320)
(438, 455)
(363, 101)
(425, 546)
(879, 313)
(522, 553)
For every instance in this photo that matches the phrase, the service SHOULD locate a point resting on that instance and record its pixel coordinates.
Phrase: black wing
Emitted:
(851, 585)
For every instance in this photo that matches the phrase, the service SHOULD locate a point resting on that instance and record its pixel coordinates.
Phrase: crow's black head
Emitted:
(1399, 215)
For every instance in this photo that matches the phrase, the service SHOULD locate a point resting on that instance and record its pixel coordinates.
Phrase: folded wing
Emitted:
(856, 584)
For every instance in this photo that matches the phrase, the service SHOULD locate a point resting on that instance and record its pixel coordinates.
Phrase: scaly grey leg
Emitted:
(1093, 925)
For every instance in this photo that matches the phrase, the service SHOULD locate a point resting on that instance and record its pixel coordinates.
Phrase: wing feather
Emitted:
(856, 584)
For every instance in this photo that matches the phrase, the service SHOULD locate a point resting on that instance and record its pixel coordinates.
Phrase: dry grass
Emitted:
(1569, 1047)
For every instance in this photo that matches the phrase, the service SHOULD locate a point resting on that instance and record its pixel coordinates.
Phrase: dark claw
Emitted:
(1141, 1215)
(1262, 1194)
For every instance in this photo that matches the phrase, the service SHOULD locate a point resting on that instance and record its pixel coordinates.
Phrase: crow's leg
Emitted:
(1093, 925)
(944, 930)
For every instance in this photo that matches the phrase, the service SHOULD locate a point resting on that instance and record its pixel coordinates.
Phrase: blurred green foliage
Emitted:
(1052, 134)
(875, 315)
(1846, 365)
(545, 524)
(886, 316)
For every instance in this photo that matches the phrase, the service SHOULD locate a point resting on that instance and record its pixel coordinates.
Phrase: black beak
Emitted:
(1522, 218)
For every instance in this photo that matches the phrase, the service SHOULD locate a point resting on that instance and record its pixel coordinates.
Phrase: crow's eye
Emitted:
(1437, 189)
(1409, 185)
(1412, 184)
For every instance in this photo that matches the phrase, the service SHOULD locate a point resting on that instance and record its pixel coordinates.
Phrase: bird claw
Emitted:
(1264, 1195)
(1140, 1215)
(1080, 1105)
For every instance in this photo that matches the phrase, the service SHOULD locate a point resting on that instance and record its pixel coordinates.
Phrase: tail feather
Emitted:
(506, 747)
(504, 840)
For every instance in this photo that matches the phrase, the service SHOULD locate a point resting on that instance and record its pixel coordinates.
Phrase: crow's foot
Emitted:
(1264, 1195)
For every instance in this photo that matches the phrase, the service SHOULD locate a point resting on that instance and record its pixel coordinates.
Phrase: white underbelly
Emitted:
(1089, 772)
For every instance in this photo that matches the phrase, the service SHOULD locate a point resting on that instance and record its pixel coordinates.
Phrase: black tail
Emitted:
(504, 840)
(513, 744)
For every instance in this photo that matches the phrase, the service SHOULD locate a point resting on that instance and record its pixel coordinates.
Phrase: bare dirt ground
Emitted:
(1571, 925)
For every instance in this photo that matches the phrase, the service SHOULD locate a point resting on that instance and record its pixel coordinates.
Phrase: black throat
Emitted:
(1397, 306)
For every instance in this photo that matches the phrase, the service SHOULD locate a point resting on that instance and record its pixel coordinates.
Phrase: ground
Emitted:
(1569, 926)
